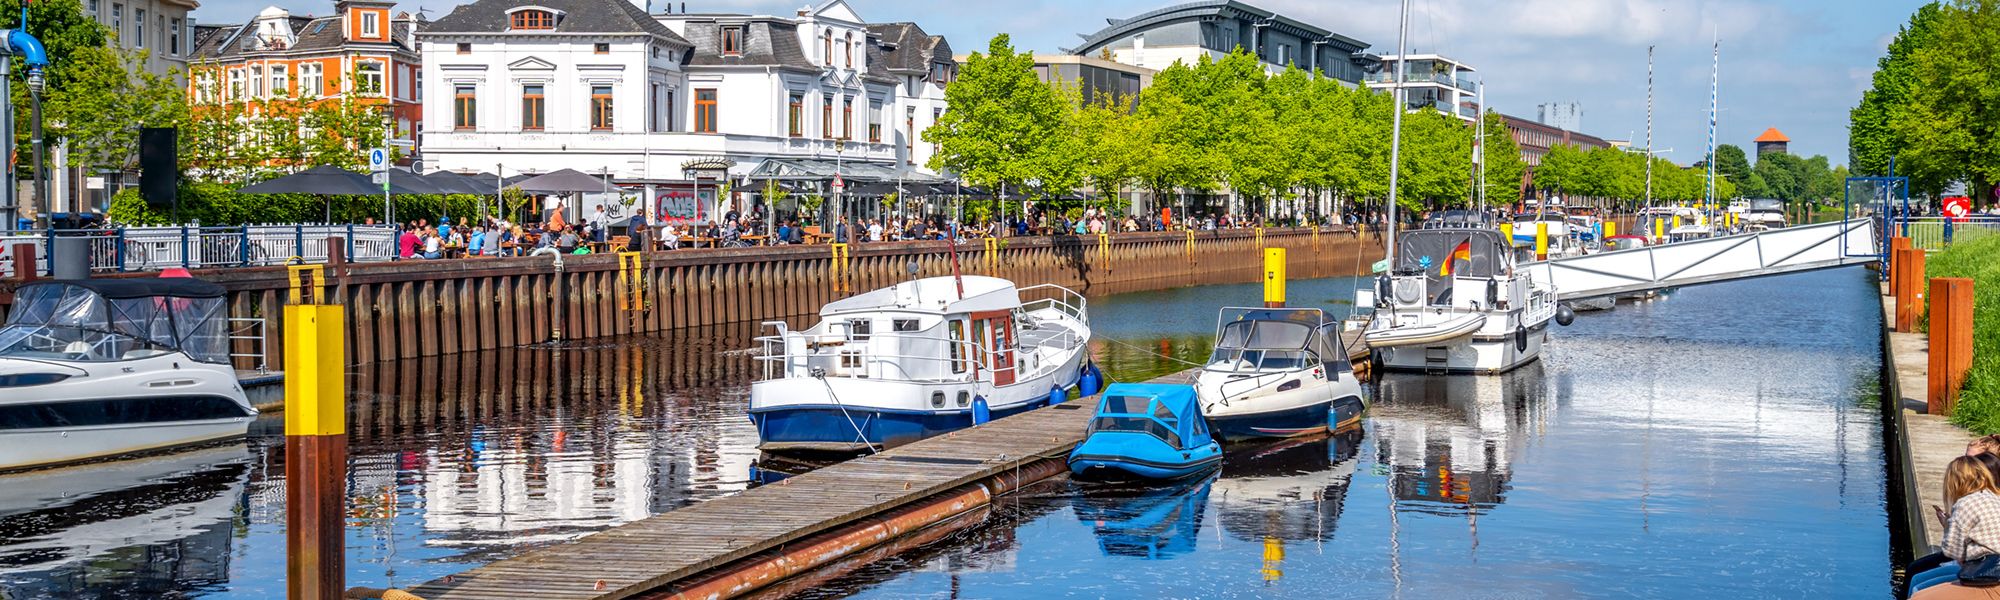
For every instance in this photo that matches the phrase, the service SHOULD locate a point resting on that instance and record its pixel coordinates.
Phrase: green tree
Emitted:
(1732, 164)
(1951, 123)
(1503, 165)
(1005, 126)
(1436, 161)
(1872, 140)
(1563, 170)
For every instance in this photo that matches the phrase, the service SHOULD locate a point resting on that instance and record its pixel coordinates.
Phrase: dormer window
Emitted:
(371, 25)
(732, 41)
(532, 19)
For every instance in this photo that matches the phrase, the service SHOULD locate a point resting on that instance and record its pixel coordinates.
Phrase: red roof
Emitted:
(1772, 135)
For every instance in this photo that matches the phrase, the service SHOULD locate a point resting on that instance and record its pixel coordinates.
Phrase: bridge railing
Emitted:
(131, 249)
(1937, 233)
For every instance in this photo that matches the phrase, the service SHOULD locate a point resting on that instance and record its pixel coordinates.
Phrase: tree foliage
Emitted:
(1503, 164)
(1934, 104)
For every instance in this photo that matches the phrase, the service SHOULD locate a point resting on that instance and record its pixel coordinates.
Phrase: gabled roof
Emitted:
(1772, 135)
(766, 42)
(907, 50)
(578, 16)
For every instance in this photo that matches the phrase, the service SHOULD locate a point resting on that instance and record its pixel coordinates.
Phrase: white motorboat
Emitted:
(94, 368)
(917, 359)
(1763, 215)
(1454, 302)
(1277, 372)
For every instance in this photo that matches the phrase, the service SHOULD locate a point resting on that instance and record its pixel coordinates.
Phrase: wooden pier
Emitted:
(648, 557)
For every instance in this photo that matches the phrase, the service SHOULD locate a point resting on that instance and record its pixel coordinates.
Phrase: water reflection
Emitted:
(1448, 441)
(1149, 521)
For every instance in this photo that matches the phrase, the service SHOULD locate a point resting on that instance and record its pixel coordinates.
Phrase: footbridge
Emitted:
(1711, 260)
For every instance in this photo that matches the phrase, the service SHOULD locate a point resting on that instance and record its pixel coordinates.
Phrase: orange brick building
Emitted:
(361, 49)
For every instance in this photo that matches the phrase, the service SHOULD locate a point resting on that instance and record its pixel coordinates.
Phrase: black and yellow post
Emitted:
(1260, 236)
(1274, 278)
(315, 446)
(840, 274)
(631, 288)
(1104, 250)
(307, 281)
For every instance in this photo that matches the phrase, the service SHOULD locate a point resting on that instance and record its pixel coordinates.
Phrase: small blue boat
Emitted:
(1146, 431)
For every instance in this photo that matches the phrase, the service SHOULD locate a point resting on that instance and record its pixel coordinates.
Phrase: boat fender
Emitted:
(980, 413)
(1521, 339)
(1091, 381)
(1565, 316)
(1057, 395)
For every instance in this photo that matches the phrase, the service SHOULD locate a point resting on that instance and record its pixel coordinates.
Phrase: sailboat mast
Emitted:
(1649, 126)
(1714, 78)
(1479, 148)
(1396, 131)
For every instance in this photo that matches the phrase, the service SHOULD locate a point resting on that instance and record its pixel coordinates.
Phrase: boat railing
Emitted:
(1063, 300)
(919, 356)
(247, 340)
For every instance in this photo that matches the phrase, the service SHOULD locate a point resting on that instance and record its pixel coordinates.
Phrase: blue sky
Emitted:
(1797, 65)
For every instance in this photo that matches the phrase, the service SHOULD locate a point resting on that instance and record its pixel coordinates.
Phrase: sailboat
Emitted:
(1452, 299)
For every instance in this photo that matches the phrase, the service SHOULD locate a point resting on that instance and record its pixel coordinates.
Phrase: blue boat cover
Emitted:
(1166, 411)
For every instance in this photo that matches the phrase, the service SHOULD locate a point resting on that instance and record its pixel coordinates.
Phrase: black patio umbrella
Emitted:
(562, 181)
(456, 183)
(328, 181)
(510, 181)
(416, 184)
(873, 188)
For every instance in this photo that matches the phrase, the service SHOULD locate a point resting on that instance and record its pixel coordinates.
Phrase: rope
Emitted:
(1185, 362)
(858, 434)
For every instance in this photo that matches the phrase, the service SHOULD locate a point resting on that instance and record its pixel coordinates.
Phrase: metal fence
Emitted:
(125, 249)
(1937, 233)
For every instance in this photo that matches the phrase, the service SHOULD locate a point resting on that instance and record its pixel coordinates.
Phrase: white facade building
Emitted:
(667, 99)
(1433, 81)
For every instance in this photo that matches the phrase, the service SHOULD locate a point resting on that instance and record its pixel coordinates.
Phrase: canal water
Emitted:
(1722, 439)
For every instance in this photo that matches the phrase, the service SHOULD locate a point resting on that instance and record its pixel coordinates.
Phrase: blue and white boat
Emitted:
(1277, 372)
(917, 359)
(1146, 431)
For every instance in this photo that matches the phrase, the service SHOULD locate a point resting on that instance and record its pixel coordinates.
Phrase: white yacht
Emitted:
(1455, 302)
(1763, 214)
(94, 368)
(917, 359)
(1277, 372)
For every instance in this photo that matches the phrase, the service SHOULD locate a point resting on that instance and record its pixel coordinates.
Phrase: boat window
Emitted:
(63, 322)
(86, 413)
(858, 329)
(1137, 425)
(1161, 412)
(1129, 405)
(1282, 360)
(903, 325)
(956, 329)
(979, 341)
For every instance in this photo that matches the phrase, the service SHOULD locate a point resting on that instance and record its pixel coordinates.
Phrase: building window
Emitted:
(937, 114)
(826, 116)
(910, 135)
(173, 36)
(256, 82)
(310, 80)
(795, 115)
(600, 108)
(138, 28)
(874, 120)
(371, 25)
(532, 19)
(531, 108)
(848, 49)
(235, 85)
(827, 54)
(732, 40)
(368, 78)
(465, 108)
(92, 5)
(847, 118)
(281, 79)
(464, 48)
(601, 48)
(118, 18)
(669, 112)
(704, 111)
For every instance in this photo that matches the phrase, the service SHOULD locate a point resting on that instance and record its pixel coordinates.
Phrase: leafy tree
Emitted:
(1563, 169)
(1436, 159)
(1503, 165)
(1951, 124)
(1872, 140)
(1732, 164)
(1005, 126)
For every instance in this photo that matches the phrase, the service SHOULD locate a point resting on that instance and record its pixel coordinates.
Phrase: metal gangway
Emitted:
(1711, 260)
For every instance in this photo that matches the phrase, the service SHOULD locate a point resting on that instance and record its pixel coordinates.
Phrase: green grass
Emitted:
(1977, 258)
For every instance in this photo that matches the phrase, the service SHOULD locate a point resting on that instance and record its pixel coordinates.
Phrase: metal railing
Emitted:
(1937, 233)
(249, 332)
(863, 355)
(126, 249)
(1065, 301)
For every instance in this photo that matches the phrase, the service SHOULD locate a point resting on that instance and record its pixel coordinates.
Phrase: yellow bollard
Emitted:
(1104, 250)
(1610, 229)
(315, 450)
(1274, 277)
(631, 292)
(1541, 240)
(1659, 230)
(1507, 231)
(1677, 221)
(840, 267)
(307, 282)
(992, 256)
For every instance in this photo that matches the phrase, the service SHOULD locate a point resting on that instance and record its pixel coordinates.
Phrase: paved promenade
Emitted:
(1933, 439)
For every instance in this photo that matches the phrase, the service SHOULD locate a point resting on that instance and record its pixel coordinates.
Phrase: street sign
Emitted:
(378, 159)
(838, 184)
(381, 178)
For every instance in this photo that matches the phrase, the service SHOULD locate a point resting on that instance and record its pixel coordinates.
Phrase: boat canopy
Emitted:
(100, 320)
(1484, 253)
(1267, 328)
(1164, 411)
(1766, 205)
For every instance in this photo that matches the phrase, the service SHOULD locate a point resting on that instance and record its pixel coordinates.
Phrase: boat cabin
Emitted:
(109, 320)
(1276, 340)
(1166, 412)
(939, 329)
(1459, 267)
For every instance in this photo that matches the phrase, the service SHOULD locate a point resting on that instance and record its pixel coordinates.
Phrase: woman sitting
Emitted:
(1972, 527)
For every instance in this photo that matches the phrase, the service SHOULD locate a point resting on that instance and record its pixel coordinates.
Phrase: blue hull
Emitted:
(828, 428)
(1113, 468)
(1312, 418)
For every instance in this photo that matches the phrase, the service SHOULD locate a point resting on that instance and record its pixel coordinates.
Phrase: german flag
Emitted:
(1463, 251)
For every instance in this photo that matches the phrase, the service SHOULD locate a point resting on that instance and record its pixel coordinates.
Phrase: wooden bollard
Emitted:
(1910, 299)
(1951, 341)
(1896, 271)
(315, 451)
(24, 262)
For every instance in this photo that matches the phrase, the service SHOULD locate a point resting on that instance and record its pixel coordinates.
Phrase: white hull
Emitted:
(168, 378)
(1471, 354)
(26, 448)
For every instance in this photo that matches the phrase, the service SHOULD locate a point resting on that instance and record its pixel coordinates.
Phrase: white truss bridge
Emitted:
(1711, 260)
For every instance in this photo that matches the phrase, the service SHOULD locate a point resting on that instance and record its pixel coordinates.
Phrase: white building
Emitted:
(1433, 81)
(678, 102)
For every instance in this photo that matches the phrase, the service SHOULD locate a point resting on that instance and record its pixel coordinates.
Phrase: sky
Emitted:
(1798, 65)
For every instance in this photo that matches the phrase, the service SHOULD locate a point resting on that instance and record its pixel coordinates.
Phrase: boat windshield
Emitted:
(1138, 414)
(73, 323)
(1237, 360)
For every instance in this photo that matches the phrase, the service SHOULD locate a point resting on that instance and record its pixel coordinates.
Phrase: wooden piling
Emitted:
(1950, 341)
(1910, 299)
(315, 452)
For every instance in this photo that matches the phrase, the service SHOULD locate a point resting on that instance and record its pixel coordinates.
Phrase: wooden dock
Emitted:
(647, 555)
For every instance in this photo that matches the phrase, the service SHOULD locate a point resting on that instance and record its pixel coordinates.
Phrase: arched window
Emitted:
(827, 37)
(532, 19)
(850, 50)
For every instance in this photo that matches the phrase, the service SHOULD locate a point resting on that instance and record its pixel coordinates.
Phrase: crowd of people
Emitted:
(1967, 563)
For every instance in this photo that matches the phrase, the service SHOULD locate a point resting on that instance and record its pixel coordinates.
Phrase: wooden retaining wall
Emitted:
(412, 309)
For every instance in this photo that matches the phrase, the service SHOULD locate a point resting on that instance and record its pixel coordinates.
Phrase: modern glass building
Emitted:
(1185, 32)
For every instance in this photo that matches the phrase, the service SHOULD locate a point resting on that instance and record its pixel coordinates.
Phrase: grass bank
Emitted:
(1979, 259)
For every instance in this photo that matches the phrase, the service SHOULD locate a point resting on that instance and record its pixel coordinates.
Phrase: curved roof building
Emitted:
(1182, 33)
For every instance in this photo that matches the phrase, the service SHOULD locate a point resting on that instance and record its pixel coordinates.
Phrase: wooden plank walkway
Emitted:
(644, 555)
